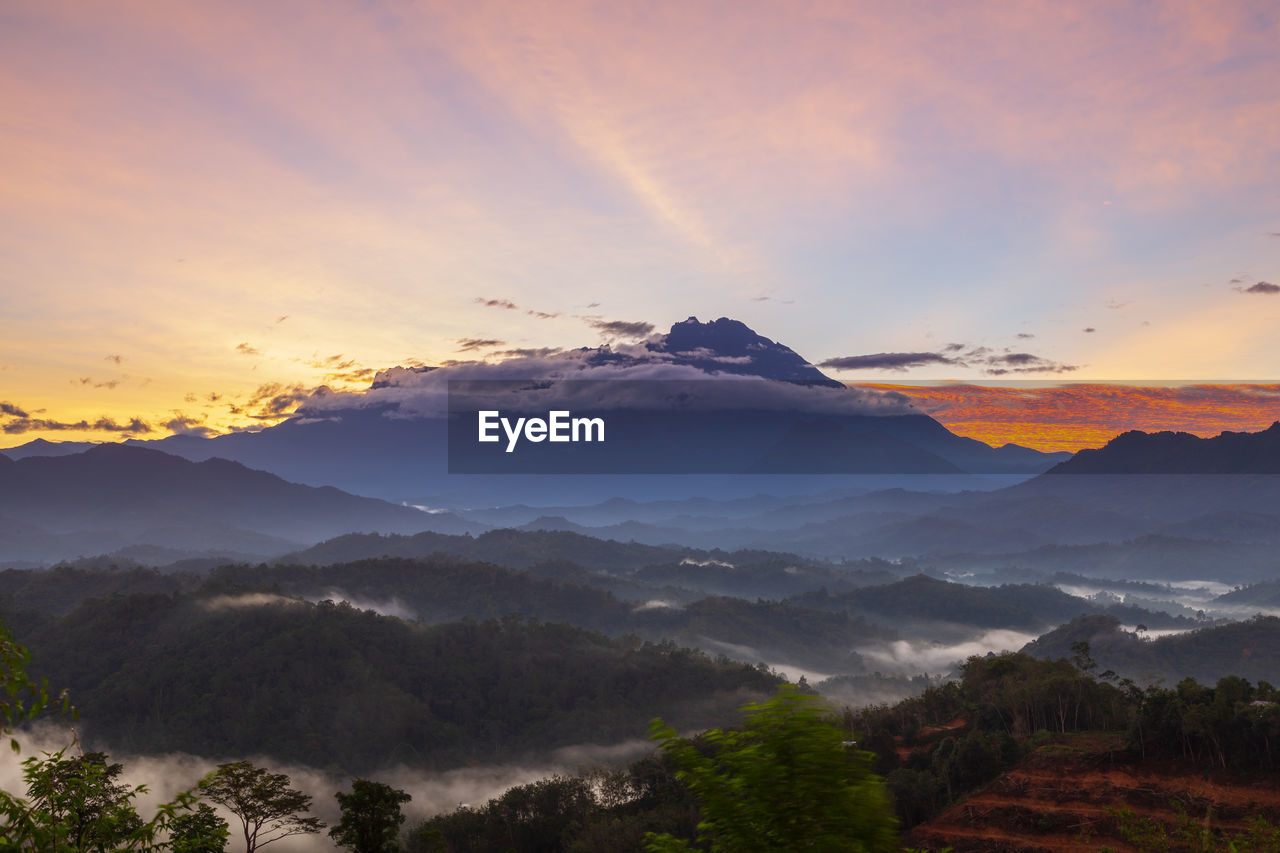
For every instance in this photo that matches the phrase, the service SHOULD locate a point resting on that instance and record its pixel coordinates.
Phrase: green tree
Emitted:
(371, 817)
(21, 698)
(786, 781)
(80, 796)
(267, 807)
(201, 831)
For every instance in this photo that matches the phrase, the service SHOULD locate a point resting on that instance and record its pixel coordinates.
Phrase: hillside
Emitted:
(218, 675)
(1083, 792)
(113, 496)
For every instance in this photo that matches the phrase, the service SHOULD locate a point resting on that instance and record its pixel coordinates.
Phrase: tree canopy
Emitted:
(267, 807)
(786, 781)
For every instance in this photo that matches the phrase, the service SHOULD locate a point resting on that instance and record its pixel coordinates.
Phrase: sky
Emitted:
(210, 208)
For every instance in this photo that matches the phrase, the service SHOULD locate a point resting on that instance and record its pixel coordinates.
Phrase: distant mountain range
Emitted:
(1136, 452)
(112, 496)
(390, 441)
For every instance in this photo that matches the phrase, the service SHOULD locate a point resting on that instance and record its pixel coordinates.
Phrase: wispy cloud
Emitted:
(898, 361)
(497, 303)
(245, 348)
(622, 328)
(134, 426)
(957, 355)
(1069, 417)
(469, 344)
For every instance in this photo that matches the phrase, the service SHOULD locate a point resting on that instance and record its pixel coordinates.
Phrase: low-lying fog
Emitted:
(433, 792)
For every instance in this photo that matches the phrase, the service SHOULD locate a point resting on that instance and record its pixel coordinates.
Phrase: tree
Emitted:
(267, 807)
(80, 796)
(201, 831)
(786, 781)
(371, 817)
(21, 698)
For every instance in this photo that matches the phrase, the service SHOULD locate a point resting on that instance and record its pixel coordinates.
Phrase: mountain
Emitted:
(771, 414)
(737, 413)
(113, 496)
(40, 447)
(1137, 452)
(729, 346)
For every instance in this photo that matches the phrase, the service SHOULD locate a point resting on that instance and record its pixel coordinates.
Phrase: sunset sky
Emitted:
(210, 207)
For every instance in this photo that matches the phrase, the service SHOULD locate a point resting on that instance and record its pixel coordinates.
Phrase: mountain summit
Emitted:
(730, 346)
(393, 439)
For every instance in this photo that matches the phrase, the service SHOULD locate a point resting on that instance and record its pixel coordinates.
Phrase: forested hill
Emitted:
(924, 599)
(1249, 649)
(252, 674)
(446, 589)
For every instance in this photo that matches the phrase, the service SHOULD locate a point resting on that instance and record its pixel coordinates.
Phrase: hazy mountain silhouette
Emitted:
(1137, 452)
(113, 495)
(390, 440)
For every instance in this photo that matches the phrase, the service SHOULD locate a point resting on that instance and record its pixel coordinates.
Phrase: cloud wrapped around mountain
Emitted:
(619, 376)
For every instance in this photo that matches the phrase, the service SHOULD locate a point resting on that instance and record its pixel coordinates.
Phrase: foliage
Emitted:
(201, 831)
(21, 698)
(76, 804)
(371, 817)
(1194, 835)
(197, 675)
(267, 807)
(1234, 723)
(601, 810)
(786, 781)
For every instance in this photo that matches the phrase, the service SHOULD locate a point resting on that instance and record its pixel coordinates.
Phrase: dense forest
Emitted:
(247, 674)
(930, 752)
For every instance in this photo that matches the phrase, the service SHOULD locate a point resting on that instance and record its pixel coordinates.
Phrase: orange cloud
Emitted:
(1071, 417)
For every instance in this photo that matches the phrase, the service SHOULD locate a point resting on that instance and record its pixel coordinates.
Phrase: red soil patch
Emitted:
(1064, 795)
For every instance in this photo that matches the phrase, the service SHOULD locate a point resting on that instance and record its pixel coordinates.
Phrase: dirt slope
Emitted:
(1063, 797)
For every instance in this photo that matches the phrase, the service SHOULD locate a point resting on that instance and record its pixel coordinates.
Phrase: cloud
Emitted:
(542, 315)
(622, 328)
(1089, 330)
(275, 401)
(108, 384)
(281, 319)
(12, 410)
(1263, 287)
(135, 426)
(1076, 415)
(467, 344)
(915, 656)
(1024, 335)
(496, 303)
(529, 352)
(887, 361)
(363, 374)
(1024, 362)
(181, 424)
(117, 359)
(246, 349)
(995, 364)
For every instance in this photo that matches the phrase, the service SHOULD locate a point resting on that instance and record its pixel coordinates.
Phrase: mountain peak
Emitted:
(731, 346)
